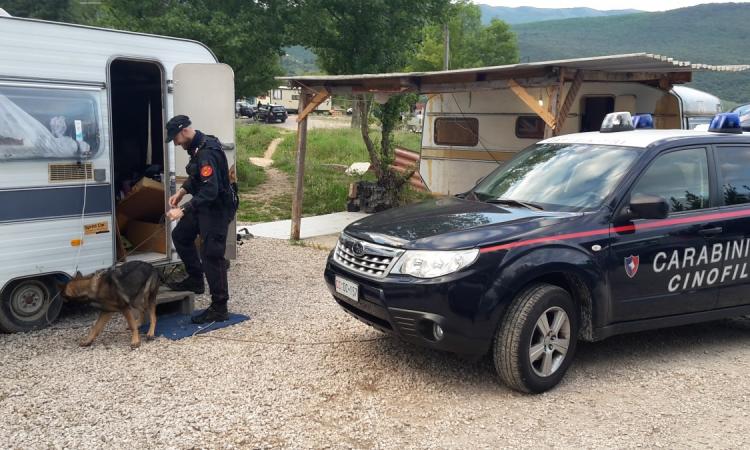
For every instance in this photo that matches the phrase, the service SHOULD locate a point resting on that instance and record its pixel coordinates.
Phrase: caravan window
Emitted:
(529, 127)
(276, 94)
(457, 131)
(40, 123)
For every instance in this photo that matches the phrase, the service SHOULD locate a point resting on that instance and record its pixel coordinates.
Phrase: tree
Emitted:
(471, 43)
(370, 36)
(70, 11)
(247, 35)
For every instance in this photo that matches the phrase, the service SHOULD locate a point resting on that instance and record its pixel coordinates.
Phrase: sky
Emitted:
(645, 5)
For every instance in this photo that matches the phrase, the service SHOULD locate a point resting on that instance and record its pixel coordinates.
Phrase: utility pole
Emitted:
(447, 45)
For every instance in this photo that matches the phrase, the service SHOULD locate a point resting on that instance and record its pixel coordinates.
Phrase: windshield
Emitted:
(559, 177)
(278, 108)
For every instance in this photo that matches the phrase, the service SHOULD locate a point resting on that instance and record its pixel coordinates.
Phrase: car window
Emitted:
(681, 178)
(734, 167)
(560, 177)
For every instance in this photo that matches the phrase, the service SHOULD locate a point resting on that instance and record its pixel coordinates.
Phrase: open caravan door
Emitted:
(205, 93)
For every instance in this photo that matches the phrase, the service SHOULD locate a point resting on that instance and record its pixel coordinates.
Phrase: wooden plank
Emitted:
(675, 77)
(562, 111)
(300, 175)
(319, 98)
(552, 95)
(559, 100)
(468, 155)
(531, 102)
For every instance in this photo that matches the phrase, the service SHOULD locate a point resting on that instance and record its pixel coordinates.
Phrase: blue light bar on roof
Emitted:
(725, 123)
(642, 121)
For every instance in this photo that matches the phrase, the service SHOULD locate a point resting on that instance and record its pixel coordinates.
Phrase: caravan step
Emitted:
(186, 299)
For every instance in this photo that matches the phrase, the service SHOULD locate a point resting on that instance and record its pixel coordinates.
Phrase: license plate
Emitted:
(347, 288)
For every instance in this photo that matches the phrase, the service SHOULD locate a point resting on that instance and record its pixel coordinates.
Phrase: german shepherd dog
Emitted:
(131, 287)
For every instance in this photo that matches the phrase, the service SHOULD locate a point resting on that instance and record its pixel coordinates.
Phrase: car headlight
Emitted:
(431, 264)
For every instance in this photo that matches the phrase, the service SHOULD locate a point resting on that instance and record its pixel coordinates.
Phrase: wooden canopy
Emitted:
(562, 79)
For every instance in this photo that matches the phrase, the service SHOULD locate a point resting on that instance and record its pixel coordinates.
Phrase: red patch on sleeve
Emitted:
(207, 171)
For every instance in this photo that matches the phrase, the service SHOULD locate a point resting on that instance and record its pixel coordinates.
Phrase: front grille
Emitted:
(365, 258)
(407, 325)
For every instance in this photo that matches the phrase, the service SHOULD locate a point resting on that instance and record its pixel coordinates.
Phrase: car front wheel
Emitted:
(536, 340)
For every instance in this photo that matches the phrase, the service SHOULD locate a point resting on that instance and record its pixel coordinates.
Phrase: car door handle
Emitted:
(710, 231)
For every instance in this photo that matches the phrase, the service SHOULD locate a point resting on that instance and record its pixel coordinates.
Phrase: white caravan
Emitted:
(84, 171)
(467, 134)
(289, 99)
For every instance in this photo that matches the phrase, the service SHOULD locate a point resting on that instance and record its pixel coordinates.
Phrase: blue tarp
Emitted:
(178, 326)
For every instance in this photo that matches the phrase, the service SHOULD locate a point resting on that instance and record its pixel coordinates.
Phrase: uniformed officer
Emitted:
(207, 214)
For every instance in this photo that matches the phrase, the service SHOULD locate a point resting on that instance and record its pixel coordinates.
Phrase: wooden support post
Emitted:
(552, 95)
(564, 109)
(531, 102)
(299, 180)
(559, 102)
(319, 98)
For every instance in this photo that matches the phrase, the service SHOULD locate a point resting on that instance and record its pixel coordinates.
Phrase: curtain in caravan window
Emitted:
(457, 131)
(38, 123)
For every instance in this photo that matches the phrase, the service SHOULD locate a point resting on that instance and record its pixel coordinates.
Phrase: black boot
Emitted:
(192, 284)
(213, 313)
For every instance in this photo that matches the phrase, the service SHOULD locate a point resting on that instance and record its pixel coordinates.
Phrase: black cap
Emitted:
(176, 124)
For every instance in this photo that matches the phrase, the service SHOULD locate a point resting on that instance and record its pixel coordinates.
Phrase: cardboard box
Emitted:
(147, 236)
(144, 202)
(138, 217)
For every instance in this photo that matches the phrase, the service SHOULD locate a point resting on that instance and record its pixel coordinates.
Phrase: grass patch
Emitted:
(252, 140)
(408, 140)
(326, 188)
(276, 208)
(249, 175)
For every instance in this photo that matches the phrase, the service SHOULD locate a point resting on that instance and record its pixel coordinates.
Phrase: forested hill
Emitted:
(524, 14)
(709, 34)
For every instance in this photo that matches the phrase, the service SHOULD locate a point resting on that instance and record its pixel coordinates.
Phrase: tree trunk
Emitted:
(364, 127)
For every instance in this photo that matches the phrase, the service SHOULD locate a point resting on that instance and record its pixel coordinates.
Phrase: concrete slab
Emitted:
(327, 242)
(328, 224)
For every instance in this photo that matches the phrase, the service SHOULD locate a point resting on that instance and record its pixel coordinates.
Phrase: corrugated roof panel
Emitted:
(634, 62)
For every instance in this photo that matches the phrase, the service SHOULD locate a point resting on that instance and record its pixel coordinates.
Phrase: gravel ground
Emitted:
(683, 387)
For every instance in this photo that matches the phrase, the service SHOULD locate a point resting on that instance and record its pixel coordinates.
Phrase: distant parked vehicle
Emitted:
(271, 114)
(414, 122)
(248, 110)
(289, 98)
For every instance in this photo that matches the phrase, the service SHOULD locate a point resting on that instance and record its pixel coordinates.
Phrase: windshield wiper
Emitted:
(508, 201)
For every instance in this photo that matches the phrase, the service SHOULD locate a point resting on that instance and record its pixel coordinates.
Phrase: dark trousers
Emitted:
(212, 229)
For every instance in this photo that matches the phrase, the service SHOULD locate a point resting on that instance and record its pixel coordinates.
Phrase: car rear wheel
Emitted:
(536, 340)
(28, 304)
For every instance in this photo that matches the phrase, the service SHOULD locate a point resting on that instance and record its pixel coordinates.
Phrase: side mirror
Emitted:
(645, 207)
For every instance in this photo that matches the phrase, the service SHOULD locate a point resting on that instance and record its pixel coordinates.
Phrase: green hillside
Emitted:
(524, 14)
(298, 60)
(709, 34)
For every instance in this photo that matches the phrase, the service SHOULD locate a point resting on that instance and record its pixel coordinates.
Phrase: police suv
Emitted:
(579, 237)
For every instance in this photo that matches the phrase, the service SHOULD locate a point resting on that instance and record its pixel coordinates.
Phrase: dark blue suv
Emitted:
(579, 237)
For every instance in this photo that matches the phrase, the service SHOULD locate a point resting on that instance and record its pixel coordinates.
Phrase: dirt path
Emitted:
(276, 184)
